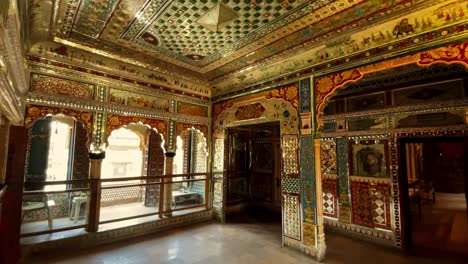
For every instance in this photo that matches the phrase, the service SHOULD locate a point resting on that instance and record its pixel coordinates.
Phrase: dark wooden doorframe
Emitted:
(406, 230)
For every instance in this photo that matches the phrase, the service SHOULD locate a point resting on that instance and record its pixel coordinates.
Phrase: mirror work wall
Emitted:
(363, 114)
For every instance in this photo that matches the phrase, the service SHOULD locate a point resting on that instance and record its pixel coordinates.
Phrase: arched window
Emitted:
(57, 151)
(124, 155)
(191, 153)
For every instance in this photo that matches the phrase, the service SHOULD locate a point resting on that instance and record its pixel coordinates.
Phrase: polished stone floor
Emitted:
(234, 242)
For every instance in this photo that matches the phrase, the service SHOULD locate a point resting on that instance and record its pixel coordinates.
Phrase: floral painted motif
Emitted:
(289, 93)
(250, 111)
(116, 121)
(62, 87)
(183, 126)
(192, 109)
(35, 112)
(456, 53)
(327, 85)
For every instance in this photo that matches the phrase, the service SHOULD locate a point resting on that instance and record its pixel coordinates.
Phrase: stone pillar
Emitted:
(168, 184)
(321, 246)
(94, 200)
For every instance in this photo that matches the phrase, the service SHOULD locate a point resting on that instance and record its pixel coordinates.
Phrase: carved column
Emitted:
(95, 159)
(168, 184)
(321, 246)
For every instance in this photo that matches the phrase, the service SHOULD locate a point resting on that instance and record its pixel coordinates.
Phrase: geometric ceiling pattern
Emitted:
(257, 38)
(170, 27)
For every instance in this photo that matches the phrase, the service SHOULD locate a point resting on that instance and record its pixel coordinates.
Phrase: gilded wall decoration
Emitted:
(82, 61)
(305, 95)
(180, 127)
(326, 86)
(117, 121)
(290, 93)
(290, 152)
(455, 53)
(308, 179)
(328, 157)
(192, 109)
(138, 100)
(292, 225)
(250, 111)
(342, 171)
(309, 234)
(35, 112)
(99, 130)
(290, 184)
(62, 87)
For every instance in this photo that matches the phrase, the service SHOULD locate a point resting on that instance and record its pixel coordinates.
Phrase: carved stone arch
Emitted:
(265, 110)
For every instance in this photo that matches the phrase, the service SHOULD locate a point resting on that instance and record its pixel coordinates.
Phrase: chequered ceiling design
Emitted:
(178, 32)
(169, 27)
(164, 35)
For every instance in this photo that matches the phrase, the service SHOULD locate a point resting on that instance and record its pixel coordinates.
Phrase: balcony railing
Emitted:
(90, 203)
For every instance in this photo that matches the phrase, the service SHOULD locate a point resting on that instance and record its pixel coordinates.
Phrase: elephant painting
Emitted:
(403, 27)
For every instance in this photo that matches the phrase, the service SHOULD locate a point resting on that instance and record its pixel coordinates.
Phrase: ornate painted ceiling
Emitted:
(262, 38)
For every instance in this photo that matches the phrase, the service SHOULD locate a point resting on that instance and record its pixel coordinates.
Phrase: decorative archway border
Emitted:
(117, 121)
(183, 126)
(327, 86)
(289, 93)
(36, 112)
(275, 109)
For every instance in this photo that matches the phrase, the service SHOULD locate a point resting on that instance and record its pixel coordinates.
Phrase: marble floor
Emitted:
(238, 242)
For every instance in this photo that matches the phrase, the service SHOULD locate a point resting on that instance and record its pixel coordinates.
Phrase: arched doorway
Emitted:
(265, 110)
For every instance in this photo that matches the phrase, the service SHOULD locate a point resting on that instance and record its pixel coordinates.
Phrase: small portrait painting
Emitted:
(369, 160)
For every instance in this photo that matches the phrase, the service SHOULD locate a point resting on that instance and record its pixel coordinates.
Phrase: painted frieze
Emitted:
(61, 87)
(137, 100)
(192, 109)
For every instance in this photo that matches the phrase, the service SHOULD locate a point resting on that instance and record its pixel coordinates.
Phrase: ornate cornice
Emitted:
(105, 80)
(95, 106)
(408, 109)
(411, 44)
(13, 79)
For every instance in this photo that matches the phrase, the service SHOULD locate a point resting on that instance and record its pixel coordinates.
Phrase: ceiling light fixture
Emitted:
(217, 17)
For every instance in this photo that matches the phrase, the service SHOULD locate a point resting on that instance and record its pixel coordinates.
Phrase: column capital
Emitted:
(170, 154)
(96, 155)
